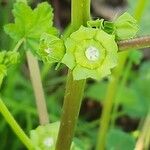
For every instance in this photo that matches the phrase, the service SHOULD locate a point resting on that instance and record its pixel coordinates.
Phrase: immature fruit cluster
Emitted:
(6, 60)
(90, 52)
(44, 137)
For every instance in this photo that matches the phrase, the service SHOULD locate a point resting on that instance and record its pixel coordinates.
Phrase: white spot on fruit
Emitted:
(92, 53)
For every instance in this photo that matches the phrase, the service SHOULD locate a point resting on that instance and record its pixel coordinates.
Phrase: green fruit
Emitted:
(90, 53)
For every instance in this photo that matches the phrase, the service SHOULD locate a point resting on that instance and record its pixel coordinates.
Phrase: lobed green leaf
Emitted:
(30, 24)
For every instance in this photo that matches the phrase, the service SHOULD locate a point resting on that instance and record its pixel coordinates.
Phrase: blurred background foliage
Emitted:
(133, 97)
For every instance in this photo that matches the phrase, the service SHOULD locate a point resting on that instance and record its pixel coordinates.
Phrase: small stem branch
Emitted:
(14, 125)
(118, 95)
(38, 88)
(141, 42)
(106, 113)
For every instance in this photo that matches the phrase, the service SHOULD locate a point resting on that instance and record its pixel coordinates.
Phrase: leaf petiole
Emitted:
(19, 43)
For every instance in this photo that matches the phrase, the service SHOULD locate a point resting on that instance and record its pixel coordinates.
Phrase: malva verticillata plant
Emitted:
(89, 49)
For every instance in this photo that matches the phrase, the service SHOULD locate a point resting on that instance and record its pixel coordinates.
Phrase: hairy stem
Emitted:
(71, 108)
(112, 90)
(137, 43)
(38, 88)
(14, 125)
(74, 89)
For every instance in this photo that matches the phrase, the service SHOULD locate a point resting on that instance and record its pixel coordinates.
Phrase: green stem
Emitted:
(74, 89)
(38, 88)
(140, 9)
(45, 69)
(80, 13)
(71, 107)
(144, 138)
(15, 127)
(20, 42)
(108, 103)
(122, 84)
(112, 91)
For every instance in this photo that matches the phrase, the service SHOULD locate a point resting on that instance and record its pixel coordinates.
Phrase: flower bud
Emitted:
(51, 49)
(44, 137)
(11, 58)
(125, 27)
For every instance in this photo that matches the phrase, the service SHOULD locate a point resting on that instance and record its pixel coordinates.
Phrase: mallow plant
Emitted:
(89, 49)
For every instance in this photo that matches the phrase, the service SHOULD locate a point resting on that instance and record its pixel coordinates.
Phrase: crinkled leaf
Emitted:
(30, 24)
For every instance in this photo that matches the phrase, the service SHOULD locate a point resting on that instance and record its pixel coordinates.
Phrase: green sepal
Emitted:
(98, 23)
(80, 73)
(30, 24)
(109, 27)
(51, 48)
(68, 58)
(83, 33)
(125, 27)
